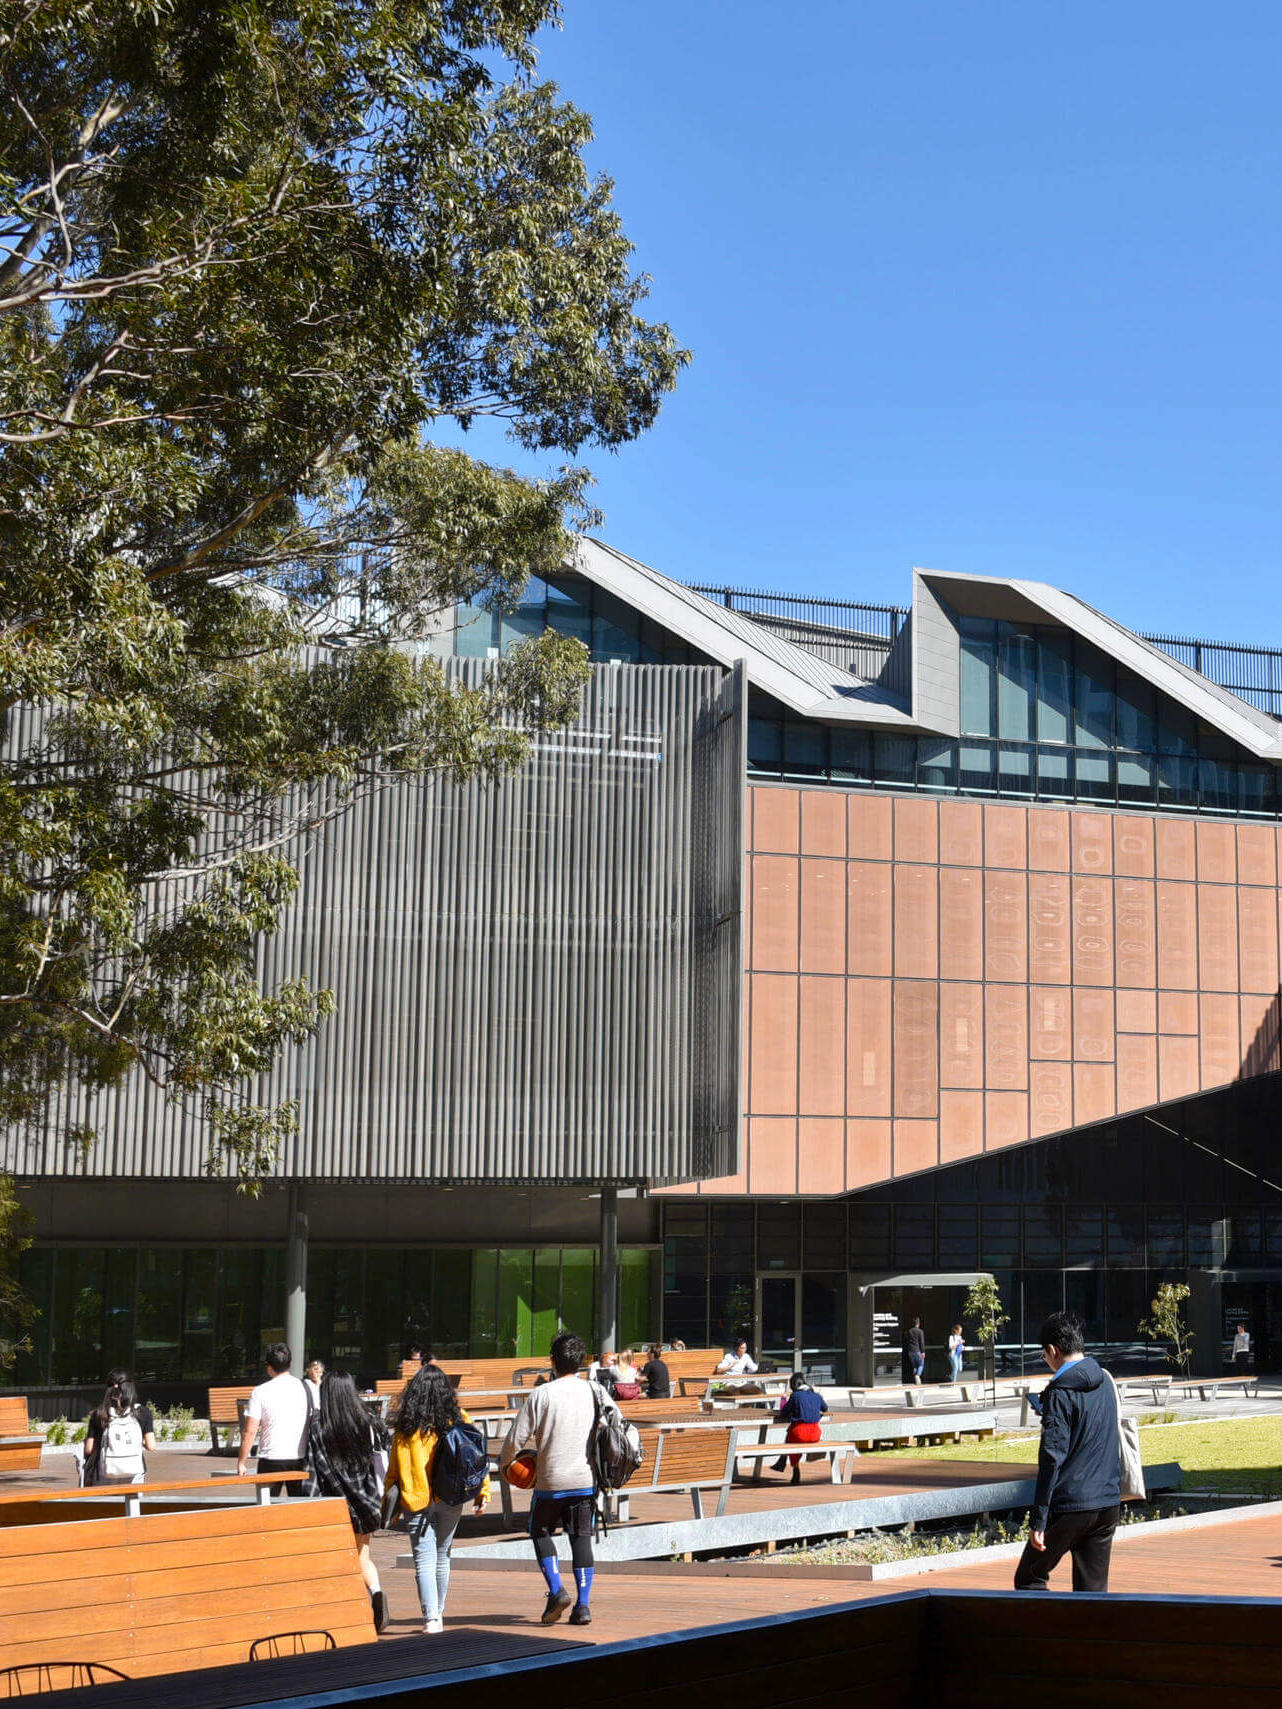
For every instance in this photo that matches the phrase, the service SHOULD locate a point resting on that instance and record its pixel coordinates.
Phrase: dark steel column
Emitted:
(608, 1275)
(296, 1278)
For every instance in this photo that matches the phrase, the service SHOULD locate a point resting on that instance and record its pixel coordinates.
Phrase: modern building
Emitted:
(837, 954)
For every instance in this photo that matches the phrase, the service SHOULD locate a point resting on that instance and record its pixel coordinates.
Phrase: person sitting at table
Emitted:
(605, 1371)
(801, 1410)
(738, 1363)
(627, 1379)
(655, 1376)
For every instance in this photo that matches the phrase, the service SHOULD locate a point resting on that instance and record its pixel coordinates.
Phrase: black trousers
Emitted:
(278, 1490)
(1087, 1537)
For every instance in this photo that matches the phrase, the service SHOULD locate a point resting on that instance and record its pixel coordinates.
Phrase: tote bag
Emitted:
(1130, 1464)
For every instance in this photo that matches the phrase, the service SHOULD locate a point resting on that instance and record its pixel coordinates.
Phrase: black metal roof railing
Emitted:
(1253, 673)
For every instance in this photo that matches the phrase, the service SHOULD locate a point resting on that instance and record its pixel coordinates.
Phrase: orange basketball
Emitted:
(520, 1471)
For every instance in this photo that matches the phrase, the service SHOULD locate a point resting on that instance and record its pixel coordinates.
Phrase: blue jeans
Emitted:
(955, 1359)
(431, 1533)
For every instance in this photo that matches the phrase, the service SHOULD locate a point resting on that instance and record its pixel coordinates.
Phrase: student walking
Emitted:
(119, 1433)
(556, 1425)
(915, 1350)
(1077, 1503)
(340, 1454)
(427, 1412)
(956, 1351)
(277, 1417)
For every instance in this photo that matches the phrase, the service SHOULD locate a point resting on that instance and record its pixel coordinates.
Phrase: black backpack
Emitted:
(616, 1451)
(460, 1465)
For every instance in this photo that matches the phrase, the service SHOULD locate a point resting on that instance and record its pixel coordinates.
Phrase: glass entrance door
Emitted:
(779, 1320)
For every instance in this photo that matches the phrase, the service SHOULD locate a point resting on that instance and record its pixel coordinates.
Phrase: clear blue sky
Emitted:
(984, 287)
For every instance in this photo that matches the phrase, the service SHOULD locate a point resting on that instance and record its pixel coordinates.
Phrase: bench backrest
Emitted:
(222, 1402)
(654, 1411)
(491, 1373)
(171, 1591)
(680, 1458)
(14, 1420)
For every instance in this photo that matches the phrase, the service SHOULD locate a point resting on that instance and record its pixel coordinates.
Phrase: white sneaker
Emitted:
(435, 1625)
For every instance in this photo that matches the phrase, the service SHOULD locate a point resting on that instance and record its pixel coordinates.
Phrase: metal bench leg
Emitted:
(263, 1492)
(696, 1496)
(505, 1495)
(723, 1496)
(133, 1506)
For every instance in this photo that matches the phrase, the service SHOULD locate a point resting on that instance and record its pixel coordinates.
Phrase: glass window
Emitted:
(483, 1336)
(1177, 780)
(765, 746)
(1136, 713)
(1055, 773)
(1208, 1237)
(614, 630)
(118, 1314)
(958, 1236)
(545, 1310)
(1094, 678)
(805, 750)
(1135, 778)
(638, 1318)
(779, 1236)
(77, 1315)
(158, 1343)
(1054, 687)
(385, 1313)
(578, 1292)
(1001, 1235)
(35, 1277)
(914, 1237)
(452, 1273)
(978, 668)
(240, 1281)
(1219, 785)
(569, 609)
(474, 636)
(1165, 1236)
(936, 764)
(978, 768)
(1043, 1236)
(1083, 1234)
(1016, 686)
(513, 1317)
(1176, 729)
(1016, 773)
(200, 1271)
(1095, 777)
(1126, 1236)
(869, 1236)
(850, 754)
(895, 760)
(1257, 785)
(825, 1235)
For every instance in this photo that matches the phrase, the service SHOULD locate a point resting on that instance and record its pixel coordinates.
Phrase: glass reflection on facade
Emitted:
(203, 1315)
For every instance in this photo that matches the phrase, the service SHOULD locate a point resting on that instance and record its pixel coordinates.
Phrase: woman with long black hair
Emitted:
(340, 1454)
(428, 1408)
(116, 1434)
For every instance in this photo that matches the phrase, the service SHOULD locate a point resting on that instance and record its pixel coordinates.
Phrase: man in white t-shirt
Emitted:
(276, 1418)
(739, 1363)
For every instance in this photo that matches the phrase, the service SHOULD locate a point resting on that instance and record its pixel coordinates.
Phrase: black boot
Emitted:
(796, 1474)
(779, 1464)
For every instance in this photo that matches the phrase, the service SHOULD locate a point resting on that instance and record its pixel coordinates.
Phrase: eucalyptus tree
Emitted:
(253, 255)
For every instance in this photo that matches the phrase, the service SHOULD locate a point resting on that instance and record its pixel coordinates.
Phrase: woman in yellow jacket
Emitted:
(427, 1409)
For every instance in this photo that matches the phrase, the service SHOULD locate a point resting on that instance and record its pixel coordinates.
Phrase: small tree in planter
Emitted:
(983, 1308)
(1167, 1324)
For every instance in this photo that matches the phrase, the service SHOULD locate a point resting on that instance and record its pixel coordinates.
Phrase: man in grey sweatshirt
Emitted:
(556, 1424)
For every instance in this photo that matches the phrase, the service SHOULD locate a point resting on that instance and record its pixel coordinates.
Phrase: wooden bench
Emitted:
(39, 1506)
(19, 1449)
(1208, 1388)
(164, 1592)
(840, 1456)
(689, 1458)
(224, 1414)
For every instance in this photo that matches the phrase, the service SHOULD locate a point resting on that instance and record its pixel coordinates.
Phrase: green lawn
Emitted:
(1242, 1455)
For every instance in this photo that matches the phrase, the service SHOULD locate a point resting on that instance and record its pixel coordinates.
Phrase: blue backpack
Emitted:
(460, 1465)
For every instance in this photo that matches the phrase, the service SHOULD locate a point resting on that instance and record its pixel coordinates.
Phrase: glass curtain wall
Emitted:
(1044, 717)
(203, 1314)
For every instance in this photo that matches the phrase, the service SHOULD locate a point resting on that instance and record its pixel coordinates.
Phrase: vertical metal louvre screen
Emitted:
(538, 978)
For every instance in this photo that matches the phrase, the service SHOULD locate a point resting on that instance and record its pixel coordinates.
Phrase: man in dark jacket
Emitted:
(1076, 1504)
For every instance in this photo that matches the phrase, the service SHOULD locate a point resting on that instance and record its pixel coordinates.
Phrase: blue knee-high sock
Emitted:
(550, 1567)
(583, 1584)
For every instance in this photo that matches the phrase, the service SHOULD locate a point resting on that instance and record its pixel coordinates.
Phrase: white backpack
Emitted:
(122, 1459)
